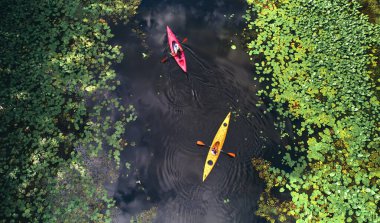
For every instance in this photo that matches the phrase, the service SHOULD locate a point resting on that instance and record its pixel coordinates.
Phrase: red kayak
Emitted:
(180, 56)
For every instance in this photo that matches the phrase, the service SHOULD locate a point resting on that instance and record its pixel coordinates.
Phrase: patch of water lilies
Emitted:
(319, 60)
(55, 86)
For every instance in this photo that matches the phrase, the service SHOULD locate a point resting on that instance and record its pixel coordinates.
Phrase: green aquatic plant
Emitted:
(147, 216)
(57, 110)
(318, 60)
(372, 9)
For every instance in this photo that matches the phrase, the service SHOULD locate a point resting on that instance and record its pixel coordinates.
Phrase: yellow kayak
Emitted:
(216, 147)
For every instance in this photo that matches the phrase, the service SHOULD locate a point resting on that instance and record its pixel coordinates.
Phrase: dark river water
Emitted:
(176, 109)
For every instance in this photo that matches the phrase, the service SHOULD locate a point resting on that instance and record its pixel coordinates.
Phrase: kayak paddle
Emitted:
(232, 155)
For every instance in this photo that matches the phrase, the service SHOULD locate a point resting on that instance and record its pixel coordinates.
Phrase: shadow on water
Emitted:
(175, 110)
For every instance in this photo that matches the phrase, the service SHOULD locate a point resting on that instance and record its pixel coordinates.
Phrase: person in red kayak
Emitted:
(177, 50)
(214, 149)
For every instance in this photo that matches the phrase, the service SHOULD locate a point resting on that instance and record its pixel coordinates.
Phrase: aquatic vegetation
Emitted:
(372, 9)
(57, 108)
(319, 61)
(145, 216)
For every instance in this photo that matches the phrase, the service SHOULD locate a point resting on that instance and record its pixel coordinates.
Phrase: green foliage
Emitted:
(270, 207)
(320, 60)
(56, 87)
(372, 9)
(78, 191)
(145, 216)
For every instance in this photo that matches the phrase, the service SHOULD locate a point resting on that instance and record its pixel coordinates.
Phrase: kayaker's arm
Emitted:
(232, 155)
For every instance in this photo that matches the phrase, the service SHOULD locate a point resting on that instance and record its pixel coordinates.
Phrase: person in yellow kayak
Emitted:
(214, 149)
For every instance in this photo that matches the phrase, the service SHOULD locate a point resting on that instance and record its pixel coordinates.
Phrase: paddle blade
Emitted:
(164, 59)
(233, 155)
(184, 40)
(200, 143)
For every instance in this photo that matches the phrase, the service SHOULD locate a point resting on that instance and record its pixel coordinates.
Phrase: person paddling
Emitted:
(214, 149)
(177, 49)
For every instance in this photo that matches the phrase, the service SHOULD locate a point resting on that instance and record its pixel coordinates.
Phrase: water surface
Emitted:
(176, 109)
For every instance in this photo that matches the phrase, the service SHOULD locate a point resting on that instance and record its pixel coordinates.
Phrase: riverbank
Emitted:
(322, 74)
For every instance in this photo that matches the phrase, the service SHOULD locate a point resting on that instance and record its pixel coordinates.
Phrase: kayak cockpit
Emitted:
(176, 49)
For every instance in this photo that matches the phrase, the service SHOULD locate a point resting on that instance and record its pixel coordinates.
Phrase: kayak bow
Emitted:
(217, 145)
(180, 57)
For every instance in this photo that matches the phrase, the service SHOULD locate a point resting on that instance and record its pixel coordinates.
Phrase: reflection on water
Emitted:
(175, 110)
